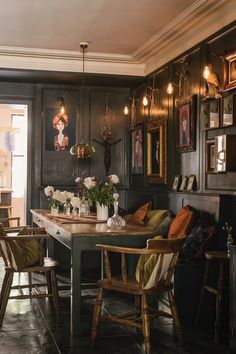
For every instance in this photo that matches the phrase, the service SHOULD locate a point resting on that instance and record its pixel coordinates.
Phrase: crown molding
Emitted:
(68, 61)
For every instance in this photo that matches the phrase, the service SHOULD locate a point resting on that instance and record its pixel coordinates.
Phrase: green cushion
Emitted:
(163, 227)
(149, 264)
(154, 217)
(23, 253)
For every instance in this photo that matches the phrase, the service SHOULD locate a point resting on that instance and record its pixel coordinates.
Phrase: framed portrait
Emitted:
(137, 149)
(214, 113)
(183, 185)
(176, 183)
(186, 120)
(229, 110)
(230, 70)
(60, 129)
(191, 183)
(156, 152)
(210, 156)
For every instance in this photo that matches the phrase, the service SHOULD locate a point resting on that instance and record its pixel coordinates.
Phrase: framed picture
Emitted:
(137, 149)
(183, 185)
(186, 121)
(176, 183)
(229, 110)
(156, 152)
(210, 156)
(60, 129)
(191, 183)
(214, 113)
(230, 70)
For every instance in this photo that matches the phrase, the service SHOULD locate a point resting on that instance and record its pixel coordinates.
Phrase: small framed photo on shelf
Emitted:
(214, 113)
(176, 183)
(229, 110)
(230, 70)
(191, 183)
(210, 156)
(183, 185)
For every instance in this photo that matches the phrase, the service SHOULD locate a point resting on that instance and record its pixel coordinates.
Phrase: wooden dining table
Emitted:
(82, 234)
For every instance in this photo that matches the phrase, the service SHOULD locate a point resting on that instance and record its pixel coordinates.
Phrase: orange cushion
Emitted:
(182, 223)
(139, 216)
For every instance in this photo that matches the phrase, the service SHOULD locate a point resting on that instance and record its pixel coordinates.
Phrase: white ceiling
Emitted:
(130, 37)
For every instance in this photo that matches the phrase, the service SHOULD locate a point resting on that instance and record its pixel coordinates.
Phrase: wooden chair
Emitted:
(45, 265)
(8, 222)
(166, 252)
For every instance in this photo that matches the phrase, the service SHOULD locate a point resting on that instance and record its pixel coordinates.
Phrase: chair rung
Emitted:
(28, 287)
(122, 321)
(30, 296)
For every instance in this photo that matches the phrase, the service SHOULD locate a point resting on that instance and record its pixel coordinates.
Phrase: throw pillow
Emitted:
(22, 253)
(154, 218)
(138, 218)
(163, 227)
(182, 223)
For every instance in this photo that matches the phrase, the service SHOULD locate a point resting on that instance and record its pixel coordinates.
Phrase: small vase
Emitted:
(116, 221)
(67, 208)
(102, 212)
(54, 211)
(74, 212)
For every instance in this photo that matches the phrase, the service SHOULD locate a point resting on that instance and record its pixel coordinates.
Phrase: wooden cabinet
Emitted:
(233, 297)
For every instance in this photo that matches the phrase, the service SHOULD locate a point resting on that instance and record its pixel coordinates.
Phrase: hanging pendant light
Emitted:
(83, 150)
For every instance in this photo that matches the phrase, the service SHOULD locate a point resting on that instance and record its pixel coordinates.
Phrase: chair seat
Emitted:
(131, 286)
(216, 255)
(49, 263)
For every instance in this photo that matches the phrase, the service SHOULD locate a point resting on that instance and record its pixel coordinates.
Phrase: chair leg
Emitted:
(175, 316)
(5, 294)
(4, 286)
(218, 301)
(30, 282)
(146, 325)
(49, 286)
(55, 293)
(96, 314)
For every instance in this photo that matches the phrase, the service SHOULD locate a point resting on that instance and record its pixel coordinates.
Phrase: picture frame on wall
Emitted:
(191, 183)
(230, 70)
(59, 129)
(156, 152)
(176, 183)
(137, 149)
(183, 185)
(229, 110)
(210, 156)
(186, 121)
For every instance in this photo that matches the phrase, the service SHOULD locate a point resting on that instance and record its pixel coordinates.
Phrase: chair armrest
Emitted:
(26, 237)
(19, 228)
(127, 250)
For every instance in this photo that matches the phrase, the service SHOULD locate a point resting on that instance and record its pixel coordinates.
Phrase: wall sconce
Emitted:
(170, 88)
(60, 101)
(183, 80)
(206, 72)
(145, 100)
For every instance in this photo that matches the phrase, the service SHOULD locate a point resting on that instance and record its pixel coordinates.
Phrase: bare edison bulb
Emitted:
(62, 111)
(126, 110)
(170, 88)
(206, 72)
(145, 101)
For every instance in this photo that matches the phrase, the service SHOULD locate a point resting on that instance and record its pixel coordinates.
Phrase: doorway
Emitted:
(13, 155)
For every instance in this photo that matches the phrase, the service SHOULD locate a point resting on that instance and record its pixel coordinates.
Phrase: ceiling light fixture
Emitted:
(83, 150)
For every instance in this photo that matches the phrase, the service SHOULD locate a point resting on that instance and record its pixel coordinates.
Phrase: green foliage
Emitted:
(102, 193)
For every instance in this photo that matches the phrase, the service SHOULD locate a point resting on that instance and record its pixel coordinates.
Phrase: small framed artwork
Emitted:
(191, 183)
(156, 152)
(176, 183)
(229, 110)
(214, 113)
(210, 156)
(137, 149)
(183, 185)
(186, 124)
(230, 70)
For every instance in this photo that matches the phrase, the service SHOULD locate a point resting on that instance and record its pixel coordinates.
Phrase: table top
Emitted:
(82, 228)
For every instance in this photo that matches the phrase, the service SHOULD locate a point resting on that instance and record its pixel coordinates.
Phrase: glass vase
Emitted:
(102, 212)
(67, 208)
(54, 210)
(116, 221)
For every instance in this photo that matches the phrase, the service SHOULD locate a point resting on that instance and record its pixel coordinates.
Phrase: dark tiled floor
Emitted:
(29, 327)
